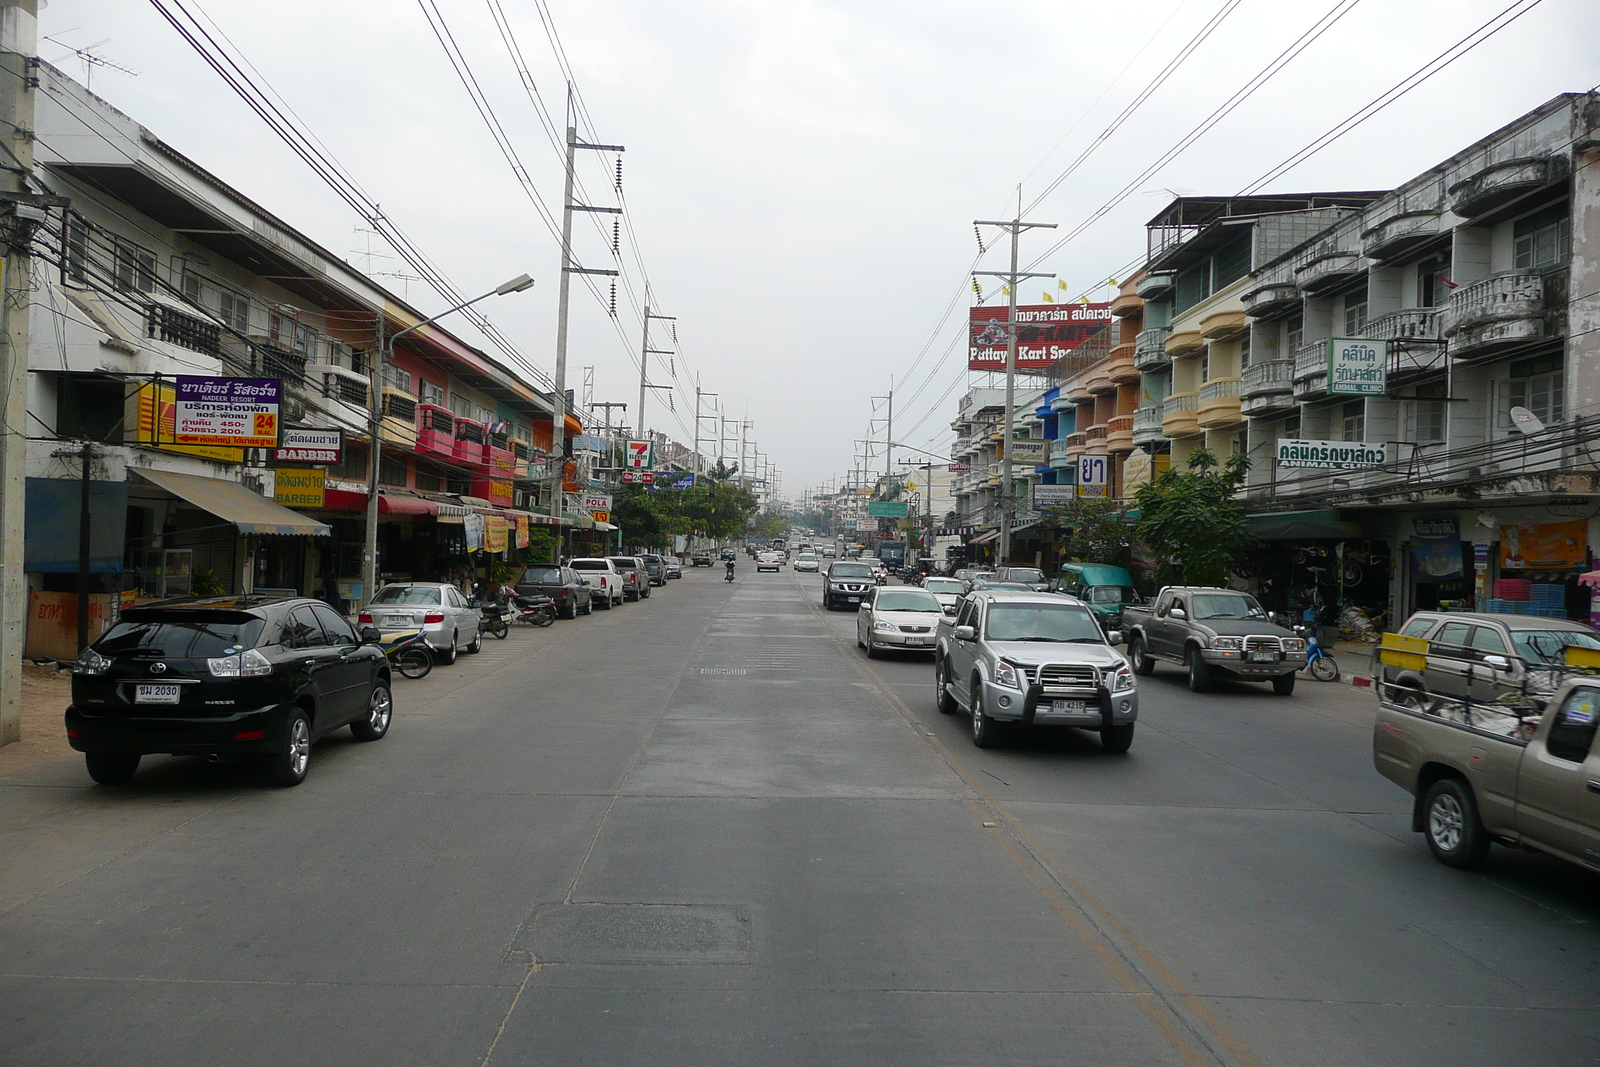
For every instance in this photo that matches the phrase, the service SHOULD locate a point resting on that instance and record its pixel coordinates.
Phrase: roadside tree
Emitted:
(1191, 521)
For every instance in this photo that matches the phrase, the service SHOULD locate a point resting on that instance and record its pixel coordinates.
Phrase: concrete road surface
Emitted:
(704, 829)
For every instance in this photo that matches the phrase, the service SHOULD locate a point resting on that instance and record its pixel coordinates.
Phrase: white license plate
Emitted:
(156, 694)
(1263, 657)
(1076, 707)
(919, 640)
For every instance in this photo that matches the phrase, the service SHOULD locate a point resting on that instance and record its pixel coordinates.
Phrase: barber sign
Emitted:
(325, 447)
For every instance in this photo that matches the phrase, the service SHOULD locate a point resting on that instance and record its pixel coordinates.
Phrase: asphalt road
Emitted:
(705, 829)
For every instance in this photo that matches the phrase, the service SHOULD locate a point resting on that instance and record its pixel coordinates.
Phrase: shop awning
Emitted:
(234, 503)
(604, 527)
(985, 538)
(1302, 526)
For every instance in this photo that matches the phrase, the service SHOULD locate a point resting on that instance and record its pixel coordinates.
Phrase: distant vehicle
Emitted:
(892, 554)
(947, 591)
(560, 584)
(656, 568)
(603, 579)
(829, 552)
(806, 561)
(1033, 660)
(897, 618)
(848, 582)
(769, 561)
(701, 559)
(673, 566)
(1105, 588)
(635, 580)
(260, 678)
(1214, 633)
(448, 623)
(1031, 577)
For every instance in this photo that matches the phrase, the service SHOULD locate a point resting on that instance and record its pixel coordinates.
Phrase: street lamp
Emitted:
(369, 560)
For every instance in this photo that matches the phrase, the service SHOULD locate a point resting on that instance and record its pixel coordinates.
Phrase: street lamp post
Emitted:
(369, 557)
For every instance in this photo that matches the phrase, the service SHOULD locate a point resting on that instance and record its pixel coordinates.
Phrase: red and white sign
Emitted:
(638, 477)
(1045, 333)
(310, 446)
(640, 455)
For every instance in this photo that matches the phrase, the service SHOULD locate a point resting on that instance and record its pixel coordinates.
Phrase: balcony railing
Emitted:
(1269, 376)
(1218, 388)
(1310, 360)
(1502, 311)
(1150, 348)
(1179, 402)
(1093, 434)
(1408, 324)
(1147, 418)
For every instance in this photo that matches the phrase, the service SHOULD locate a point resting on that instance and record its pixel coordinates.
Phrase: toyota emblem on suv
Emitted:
(158, 668)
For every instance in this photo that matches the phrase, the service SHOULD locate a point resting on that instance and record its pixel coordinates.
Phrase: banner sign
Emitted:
(310, 446)
(686, 482)
(638, 477)
(1029, 450)
(495, 529)
(522, 531)
(1094, 476)
(1332, 455)
(300, 488)
(1045, 333)
(232, 412)
(955, 531)
(641, 455)
(593, 502)
(1357, 367)
(600, 516)
(959, 468)
(887, 509)
(1052, 496)
(1436, 550)
(1551, 546)
(473, 527)
(150, 417)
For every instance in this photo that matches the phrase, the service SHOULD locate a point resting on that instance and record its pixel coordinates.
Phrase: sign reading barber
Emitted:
(1357, 367)
(233, 412)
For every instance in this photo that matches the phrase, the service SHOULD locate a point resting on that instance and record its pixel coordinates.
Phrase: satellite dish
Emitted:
(1525, 420)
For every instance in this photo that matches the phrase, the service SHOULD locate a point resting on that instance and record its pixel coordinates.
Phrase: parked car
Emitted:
(701, 559)
(1033, 660)
(561, 584)
(656, 568)
(635, 582)
(848, 582)
(226, 677)
(1030, 577)
(769, 561)
(1105, 588)
(806, 561)
(448, 623)
(1489, 658)
(673, 566)
(1214, 633)
(1483, 773)
(603, 579)
(901, 617)
(947, 591)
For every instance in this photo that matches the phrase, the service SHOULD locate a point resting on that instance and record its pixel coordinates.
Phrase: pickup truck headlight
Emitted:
(1293, 644)
(1122, 680)
(1232, 644)
(1005, 674)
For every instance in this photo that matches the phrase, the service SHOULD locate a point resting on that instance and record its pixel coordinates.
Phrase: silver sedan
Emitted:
(438, 609)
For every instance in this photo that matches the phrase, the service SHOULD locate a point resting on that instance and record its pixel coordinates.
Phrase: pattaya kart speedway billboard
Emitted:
(1045, 333)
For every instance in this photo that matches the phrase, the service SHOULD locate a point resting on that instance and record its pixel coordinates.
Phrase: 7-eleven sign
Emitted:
(641, 455)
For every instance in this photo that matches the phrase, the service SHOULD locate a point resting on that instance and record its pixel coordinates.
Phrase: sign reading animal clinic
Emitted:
(233, 412)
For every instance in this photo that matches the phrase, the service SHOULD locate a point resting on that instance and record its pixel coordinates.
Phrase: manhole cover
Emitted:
(633, 933)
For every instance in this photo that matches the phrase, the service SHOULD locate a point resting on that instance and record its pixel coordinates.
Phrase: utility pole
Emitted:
(645, 352)
(608, 405)
(1007, 490)
(698, 393)
(25, 212)
(558, 419)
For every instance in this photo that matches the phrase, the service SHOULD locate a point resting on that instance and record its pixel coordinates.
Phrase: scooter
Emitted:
(538, 610)
(728, 577)
(409, 652)
(496, 620)
(1320, 663)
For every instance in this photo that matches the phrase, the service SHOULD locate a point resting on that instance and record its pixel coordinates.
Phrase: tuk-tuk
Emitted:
(1105, 588)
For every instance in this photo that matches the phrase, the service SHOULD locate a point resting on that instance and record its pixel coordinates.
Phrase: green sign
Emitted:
(887, 509)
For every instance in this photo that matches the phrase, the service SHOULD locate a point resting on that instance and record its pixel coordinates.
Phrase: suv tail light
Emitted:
(432, 617)
(247, 664)
(365, 616)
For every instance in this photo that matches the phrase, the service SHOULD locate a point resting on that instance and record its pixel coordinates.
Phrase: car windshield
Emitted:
(1043, 622)
(186, 638)
(541, 574)
(1548, 646)
(944, 585)
(406, 594)
(1110, 594)
(1024, 574)
(1227, 606)
(906, 600)
(806, 556)
(851, 570)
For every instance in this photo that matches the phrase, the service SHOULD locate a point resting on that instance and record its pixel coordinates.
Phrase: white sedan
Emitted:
(947, 591)
(901, 617)
(805, 561)
(769, 561)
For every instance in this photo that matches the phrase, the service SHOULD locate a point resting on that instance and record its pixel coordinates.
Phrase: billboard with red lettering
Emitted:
(1045, 333)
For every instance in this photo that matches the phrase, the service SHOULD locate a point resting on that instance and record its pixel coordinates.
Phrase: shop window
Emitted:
(429, 479)
(1425, 414)
(1355, 313)
(1543, 239)
(89, 408)
(1536, 384)
(1291, 428)
(1353, 420)
(391, 470)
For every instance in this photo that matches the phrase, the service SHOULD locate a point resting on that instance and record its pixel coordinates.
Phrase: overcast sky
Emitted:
(802, 176)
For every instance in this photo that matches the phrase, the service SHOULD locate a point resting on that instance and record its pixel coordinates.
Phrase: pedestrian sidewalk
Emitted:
(45, 695)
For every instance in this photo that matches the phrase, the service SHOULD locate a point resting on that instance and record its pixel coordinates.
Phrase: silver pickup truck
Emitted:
(1212, 633)
(1485, 773)
(1033, 660)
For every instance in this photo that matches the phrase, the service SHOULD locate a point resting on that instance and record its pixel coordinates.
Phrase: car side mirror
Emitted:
(1114, 637)
(965, 633)
(371, 635)
(1499, 663)
(1177, 613)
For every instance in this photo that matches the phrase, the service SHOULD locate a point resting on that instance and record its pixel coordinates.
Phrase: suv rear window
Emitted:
(542, 574)
(591, 564)
(188, 637)
(407, 594)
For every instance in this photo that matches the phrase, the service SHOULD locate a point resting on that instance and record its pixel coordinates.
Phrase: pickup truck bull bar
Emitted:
(1036, 692)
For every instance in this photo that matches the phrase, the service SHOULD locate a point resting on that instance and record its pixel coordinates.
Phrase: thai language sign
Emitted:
(1357, 367)
(1544, 546)
(300, 488)
(1094, 476)
(887, 509)
(1332, 455)
(1046, 497)
(1045, 333)
(233, 412)
(1029, 450)
(310, 446)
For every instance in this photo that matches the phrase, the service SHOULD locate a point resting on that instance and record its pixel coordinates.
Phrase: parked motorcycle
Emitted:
(408, 651)
(496, 621)
(1320, 663)
(537, 610)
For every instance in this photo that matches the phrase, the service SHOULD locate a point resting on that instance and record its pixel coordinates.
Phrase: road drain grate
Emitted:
(633, 934)
(723, 670)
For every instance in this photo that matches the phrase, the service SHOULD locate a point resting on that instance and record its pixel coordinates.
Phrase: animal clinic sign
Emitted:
(1357, 367)
(231, 412)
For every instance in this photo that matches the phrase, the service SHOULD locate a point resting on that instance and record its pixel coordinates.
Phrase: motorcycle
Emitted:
(408, 651)
(1320, 663)
(496, 621)
(537, 610)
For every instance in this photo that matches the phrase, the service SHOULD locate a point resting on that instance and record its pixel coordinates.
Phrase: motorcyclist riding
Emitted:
(729, 578)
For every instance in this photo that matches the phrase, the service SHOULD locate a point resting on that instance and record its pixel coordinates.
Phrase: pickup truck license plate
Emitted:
(855, 600)
(1076, 707)
(156, 694)
(919, 640)
(1263, 657)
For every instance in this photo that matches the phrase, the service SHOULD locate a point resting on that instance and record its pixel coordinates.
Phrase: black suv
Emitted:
(226, 677)
(560, 584)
